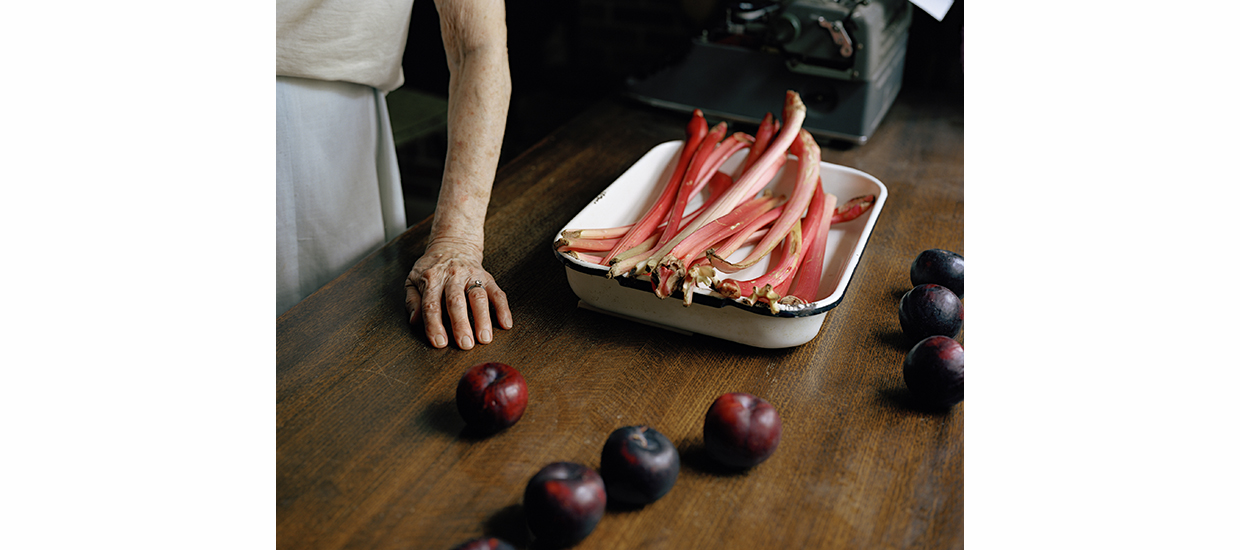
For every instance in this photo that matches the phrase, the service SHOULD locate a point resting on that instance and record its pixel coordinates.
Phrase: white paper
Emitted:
(936, 8)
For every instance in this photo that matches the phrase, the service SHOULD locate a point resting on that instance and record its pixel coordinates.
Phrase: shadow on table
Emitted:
(509, 524)
(443, 417)
(694, 456)
(901, 398)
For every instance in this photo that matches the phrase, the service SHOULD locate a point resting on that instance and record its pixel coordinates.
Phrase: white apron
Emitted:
(338, 192)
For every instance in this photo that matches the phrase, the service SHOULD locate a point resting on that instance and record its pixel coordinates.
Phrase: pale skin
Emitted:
(475, 39)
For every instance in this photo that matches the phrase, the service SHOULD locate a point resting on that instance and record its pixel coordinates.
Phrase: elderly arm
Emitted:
(475, 40)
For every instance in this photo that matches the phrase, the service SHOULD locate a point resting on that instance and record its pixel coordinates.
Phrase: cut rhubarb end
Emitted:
(698, 276)
(792, 301)
(585, 245)
(666, 276)
(588, 258)
(729, 288)
(853, 209)
(768, 295)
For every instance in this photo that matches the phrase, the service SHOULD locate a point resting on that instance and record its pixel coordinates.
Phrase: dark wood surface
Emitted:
(371, 453)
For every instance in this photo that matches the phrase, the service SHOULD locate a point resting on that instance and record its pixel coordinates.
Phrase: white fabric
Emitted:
(338, 193)
(360, 41)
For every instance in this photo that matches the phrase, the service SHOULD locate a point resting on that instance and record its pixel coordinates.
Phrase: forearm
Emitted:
(449, 279)
(479, 88)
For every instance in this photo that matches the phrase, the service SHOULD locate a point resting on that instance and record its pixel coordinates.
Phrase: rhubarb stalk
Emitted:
(809, 157)
(762, 138)
(671, 269)
(690, 179)
(804, 285)
(762, 287)
(719, 182)
(750, 182)
(853, 209)
(695, 132)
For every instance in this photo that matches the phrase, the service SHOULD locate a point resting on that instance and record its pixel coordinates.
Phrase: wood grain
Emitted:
(372, 454)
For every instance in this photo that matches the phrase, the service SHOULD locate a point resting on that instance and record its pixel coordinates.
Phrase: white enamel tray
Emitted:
(633, 193)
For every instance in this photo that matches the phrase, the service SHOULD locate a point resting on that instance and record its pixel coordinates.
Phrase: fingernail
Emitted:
(467, 342)
(440, 341)
(484, 336)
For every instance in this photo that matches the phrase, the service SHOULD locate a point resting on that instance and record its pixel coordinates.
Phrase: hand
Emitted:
(446, 273)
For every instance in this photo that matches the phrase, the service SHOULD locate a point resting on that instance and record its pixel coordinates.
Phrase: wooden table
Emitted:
(371, 452)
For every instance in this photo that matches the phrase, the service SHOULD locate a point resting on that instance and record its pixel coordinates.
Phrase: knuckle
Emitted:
(500, 299)
(456, 301)
(430, 307)
(430, 274)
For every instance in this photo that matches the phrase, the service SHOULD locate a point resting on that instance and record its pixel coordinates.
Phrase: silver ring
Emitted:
(476, 284)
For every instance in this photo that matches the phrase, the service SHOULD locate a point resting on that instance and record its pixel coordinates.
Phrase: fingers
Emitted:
(428, 293)
(431, 311)
(458, 314)
(413, 301)
(500, 301)
(480, 305)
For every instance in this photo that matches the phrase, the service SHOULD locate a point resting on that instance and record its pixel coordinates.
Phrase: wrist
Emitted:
(444, 244)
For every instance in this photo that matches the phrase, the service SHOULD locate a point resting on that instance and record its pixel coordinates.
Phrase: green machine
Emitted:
(844, 57)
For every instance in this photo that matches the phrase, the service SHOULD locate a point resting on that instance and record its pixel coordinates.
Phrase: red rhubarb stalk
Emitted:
(605, 233)
(652, 261)
(719, 182)
(853, 209)
(762, 287)
(804, 285)
(585, 245)
(690, 179)
(701, 274)
(762, 138)
(810, 225)
(695, 132)
(750, 182)
(671, 269)
(809, 157)
(729, 147)
(637, 257)
(585, 257)
(637, 250)
(754, 230)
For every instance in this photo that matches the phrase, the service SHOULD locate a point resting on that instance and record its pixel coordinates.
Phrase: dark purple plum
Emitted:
(934, 371)
(490, 543)
(491, 396)
(931, 310)
(639, 465)
(563, 503)
(939, 267)
(741, 430)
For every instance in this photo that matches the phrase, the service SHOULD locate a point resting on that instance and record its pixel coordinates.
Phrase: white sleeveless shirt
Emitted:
(359, 41)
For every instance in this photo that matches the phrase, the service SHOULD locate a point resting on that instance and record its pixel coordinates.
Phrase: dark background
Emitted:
(566, 54)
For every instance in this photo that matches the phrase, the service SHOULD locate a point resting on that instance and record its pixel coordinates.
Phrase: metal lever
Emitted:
(838, 34)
